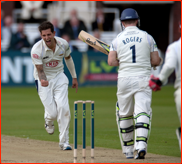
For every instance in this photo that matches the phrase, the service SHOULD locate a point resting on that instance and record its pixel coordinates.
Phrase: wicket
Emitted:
(84, 130)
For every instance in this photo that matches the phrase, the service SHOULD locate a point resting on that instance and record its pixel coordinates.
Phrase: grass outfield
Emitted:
(22, 116)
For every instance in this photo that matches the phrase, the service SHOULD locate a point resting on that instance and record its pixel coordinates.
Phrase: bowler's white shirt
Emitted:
(133, 48)
(52, 62)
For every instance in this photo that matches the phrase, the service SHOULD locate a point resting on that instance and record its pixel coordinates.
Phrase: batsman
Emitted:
(135, 52)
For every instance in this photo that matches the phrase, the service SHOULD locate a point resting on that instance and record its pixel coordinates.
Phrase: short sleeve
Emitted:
(36, 57)
(113, 46)
(152, 43)
(67, 50)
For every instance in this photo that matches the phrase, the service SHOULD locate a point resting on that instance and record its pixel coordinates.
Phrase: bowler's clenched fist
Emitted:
(44, 83)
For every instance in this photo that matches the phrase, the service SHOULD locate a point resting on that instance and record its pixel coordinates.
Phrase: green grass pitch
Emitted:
(22, 115)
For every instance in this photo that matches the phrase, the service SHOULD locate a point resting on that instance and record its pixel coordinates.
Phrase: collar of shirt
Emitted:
(57, 43)
(131, 27)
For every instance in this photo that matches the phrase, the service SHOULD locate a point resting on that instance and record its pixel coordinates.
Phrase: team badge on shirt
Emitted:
(52, 63)
(35, 56)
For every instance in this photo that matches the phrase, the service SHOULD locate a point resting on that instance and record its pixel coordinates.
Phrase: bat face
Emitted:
(90, 42)
(94, 42)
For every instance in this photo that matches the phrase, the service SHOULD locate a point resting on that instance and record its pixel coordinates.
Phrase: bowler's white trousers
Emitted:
(55, 100)
(134, 97)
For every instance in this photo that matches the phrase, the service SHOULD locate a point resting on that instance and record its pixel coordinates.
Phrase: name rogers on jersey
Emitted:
(132, 39)
(52, 63)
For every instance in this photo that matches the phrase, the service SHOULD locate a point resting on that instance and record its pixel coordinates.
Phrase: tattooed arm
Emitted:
(42, 76)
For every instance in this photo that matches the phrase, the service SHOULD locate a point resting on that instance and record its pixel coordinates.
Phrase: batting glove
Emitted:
(155, 83)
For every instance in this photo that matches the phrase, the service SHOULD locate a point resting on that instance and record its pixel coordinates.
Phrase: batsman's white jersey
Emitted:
(55, 96)
(133, 48)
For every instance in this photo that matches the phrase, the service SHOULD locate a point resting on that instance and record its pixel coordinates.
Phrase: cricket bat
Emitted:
(94, 42)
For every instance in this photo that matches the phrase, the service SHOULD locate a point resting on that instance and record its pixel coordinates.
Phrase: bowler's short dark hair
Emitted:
(46, 25)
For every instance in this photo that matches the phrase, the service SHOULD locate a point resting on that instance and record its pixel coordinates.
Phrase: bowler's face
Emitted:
(48, 37)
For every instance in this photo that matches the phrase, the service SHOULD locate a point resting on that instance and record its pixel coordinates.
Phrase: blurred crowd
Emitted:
(16, 38)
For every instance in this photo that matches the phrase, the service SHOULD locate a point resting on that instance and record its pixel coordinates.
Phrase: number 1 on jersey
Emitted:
(133, 53)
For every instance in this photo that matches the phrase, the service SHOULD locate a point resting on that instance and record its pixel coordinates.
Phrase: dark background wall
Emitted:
(155, 19)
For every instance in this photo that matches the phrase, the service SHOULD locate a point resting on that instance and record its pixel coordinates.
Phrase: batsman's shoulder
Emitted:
(120, 34)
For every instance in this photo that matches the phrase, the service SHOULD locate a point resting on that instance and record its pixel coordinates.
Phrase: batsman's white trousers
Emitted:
(55, 100)
(134, 97)
(177, 95)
